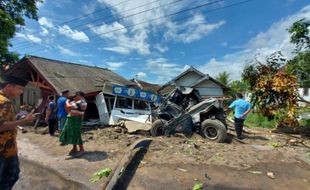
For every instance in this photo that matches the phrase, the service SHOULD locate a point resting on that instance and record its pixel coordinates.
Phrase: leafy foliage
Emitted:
(300, 64)
(223, 78)
(11, 19)
(300, 34)
(105, 172)
(273, 89)
(239, 86)
(198, 186)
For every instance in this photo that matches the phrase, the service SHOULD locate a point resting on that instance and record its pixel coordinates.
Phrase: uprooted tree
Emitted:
(273, 90)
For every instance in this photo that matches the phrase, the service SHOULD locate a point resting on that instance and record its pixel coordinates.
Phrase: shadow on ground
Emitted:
(91, 156)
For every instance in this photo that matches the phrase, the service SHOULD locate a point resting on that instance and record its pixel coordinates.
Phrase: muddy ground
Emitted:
(170, 163)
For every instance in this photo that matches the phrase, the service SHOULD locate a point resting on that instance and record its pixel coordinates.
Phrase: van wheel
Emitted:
(158, 127)
(214, 130)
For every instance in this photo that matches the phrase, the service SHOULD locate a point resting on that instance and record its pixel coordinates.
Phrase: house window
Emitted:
(306, 91)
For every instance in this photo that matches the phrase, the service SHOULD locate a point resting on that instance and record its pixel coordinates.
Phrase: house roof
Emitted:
(169, 86)
(207, 77)
(190, 69)
(64, 75)
(147, 86)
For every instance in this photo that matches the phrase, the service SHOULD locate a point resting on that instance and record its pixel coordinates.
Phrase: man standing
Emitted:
(61, 106)
(242, 109)
(9, 165)
(50, 116)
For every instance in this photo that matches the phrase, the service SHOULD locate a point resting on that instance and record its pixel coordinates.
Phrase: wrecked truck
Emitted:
(184, 111)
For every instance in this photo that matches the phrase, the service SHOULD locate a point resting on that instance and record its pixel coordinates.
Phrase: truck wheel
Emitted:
(214, 130)
(158, 127)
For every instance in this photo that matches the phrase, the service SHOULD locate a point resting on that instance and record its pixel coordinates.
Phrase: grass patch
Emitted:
(257, 120)
(304, 122)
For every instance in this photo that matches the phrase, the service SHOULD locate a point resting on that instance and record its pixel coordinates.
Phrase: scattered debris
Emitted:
(134, 126)
(207, 176)
(118, 129)
(255, 172)
(183, 170)
(305, 180)
(105, 172)
(271, 175)
(198, 186)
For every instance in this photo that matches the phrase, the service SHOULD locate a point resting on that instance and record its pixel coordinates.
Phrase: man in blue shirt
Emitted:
(61, 112)
(242, 109)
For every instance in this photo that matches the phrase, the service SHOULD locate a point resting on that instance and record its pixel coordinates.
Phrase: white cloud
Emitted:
(43, 21)
(66, 51)
(121, 50)
(163, 69)
(276, 38)
(191, 30)
(29, 37)
(73, 34)
(137, 37)
(120, 40)
(115, 65)
(44, 31)
(84, 61)
(141, 75)
(40, 4)
(161, 48)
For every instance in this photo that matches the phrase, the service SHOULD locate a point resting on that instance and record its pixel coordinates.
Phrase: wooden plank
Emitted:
(37, 84)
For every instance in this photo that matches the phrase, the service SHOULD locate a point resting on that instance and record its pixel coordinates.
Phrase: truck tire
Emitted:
(158, 127)
(214, 130)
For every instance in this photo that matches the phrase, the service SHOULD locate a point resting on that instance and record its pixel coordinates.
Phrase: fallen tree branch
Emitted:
(293, 130)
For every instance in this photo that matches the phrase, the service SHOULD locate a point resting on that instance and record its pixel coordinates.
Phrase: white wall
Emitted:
(303, 91)
(188, 79)
(210, 91)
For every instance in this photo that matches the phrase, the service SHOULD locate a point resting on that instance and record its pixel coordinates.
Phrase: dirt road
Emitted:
(170, 163)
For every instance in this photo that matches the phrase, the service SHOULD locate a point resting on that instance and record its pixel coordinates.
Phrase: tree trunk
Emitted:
(293, 130)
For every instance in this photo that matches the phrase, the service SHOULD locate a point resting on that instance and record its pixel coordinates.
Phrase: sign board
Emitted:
(135, 93)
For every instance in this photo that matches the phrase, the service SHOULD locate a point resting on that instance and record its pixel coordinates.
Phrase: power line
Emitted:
(118, 19)
(169, 15)
(84, 16)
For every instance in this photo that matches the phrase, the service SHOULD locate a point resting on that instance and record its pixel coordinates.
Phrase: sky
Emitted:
(156, 40)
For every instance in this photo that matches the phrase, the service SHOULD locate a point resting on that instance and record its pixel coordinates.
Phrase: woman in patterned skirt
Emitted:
(71, 133)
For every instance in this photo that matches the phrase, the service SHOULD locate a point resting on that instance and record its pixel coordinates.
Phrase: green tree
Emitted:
(239, 86)
(300, 64)
(11, 19)
(223, 78)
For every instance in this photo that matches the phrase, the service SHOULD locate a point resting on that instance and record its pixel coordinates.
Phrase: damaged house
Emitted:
(192, 78)
(50, 77)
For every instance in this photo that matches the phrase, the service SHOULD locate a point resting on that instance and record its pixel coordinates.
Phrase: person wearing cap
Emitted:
(71, 133)
(61, 109)
(9, 165)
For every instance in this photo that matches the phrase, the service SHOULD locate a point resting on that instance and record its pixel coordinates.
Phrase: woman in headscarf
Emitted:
(71, 133)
